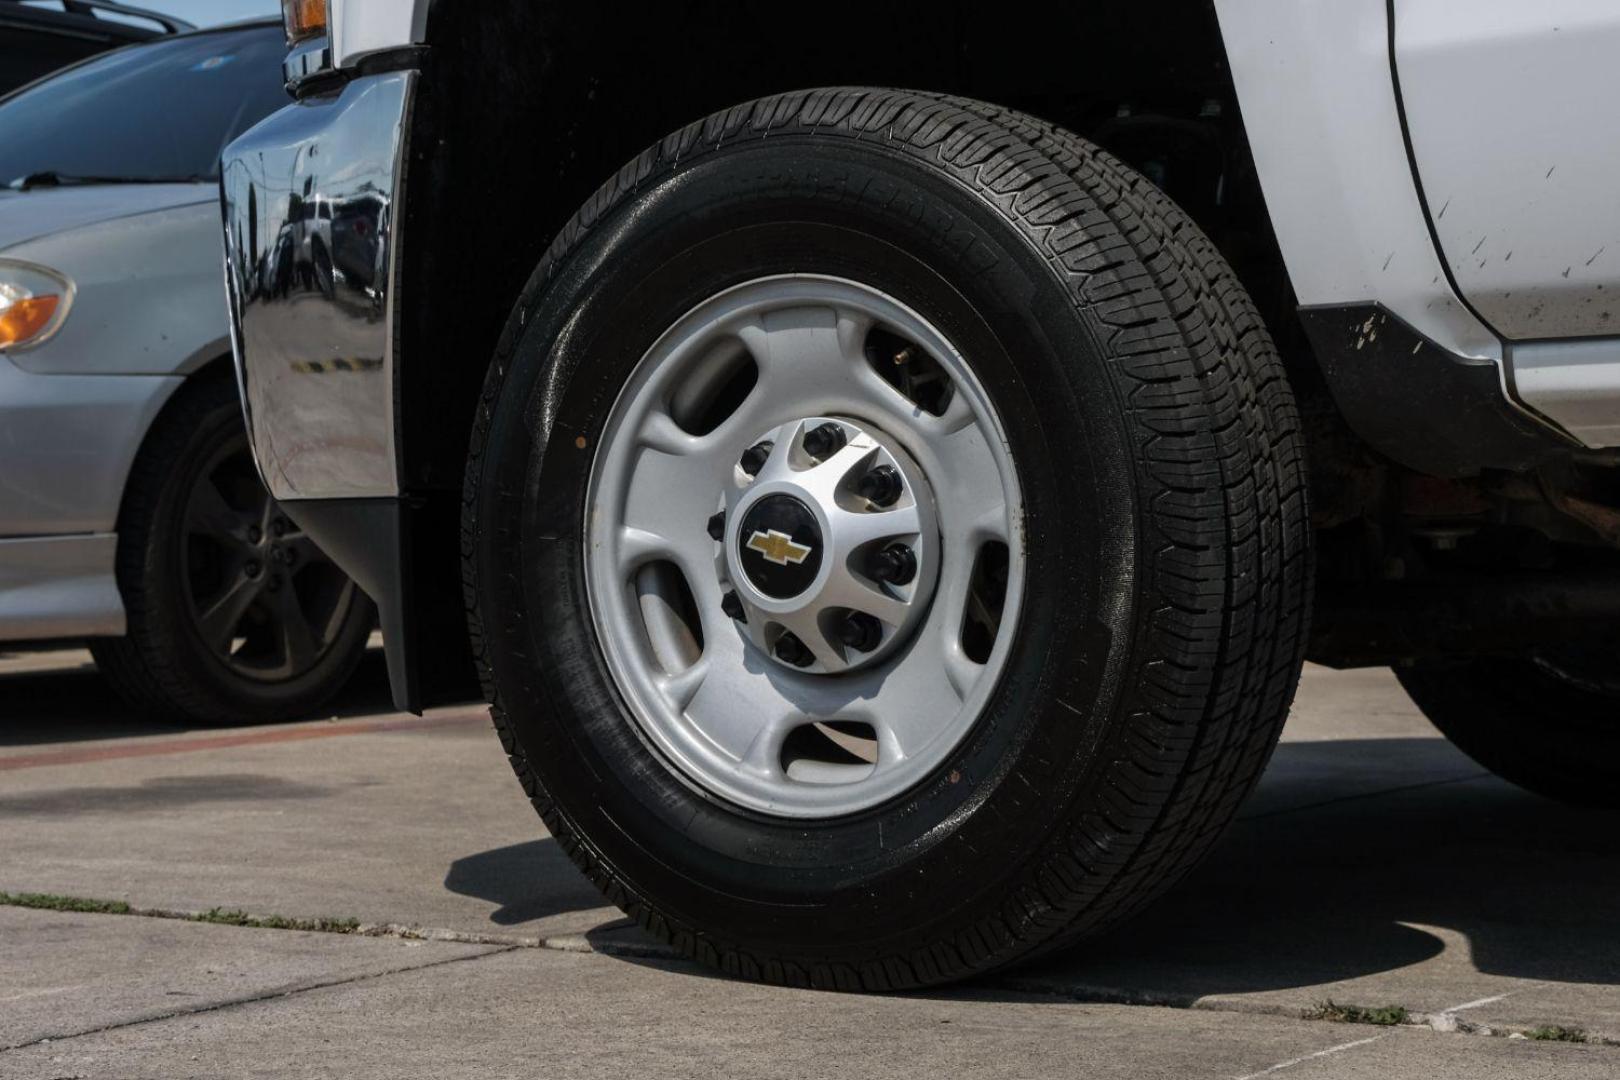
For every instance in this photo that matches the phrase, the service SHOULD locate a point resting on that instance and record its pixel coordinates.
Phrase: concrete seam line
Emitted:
(572, 943)
(575, 943)
(1291, 1062)
(268, 995)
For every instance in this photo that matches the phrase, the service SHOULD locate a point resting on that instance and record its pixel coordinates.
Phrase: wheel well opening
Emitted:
(521, 117)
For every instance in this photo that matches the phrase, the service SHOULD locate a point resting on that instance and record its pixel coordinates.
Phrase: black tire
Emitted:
(163, 667)
(1550, 724)
(1166, 523)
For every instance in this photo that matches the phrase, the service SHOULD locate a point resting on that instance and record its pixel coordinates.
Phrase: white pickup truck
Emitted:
(888, 464)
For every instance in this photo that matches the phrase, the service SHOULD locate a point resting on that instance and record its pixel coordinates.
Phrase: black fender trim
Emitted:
(1419, 404)
(403, 552)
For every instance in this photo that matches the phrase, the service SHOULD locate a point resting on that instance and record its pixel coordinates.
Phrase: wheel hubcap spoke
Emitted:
(914, 707)
(219, 621)
(299, 644)
(855, 530)
(805, 354)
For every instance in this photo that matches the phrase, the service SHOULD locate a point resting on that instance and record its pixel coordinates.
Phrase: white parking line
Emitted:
(1291, 1062)
(1448, 1020)
(1487, 1000)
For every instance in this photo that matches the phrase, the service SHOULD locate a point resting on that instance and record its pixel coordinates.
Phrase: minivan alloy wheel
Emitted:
(234, 615)
(266, 601)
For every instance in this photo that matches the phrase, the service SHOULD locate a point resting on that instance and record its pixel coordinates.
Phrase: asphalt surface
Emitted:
(1375, 867)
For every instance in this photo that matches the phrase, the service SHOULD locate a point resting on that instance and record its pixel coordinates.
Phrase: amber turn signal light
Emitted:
(303, 19)
(33, 302)
(24, 320)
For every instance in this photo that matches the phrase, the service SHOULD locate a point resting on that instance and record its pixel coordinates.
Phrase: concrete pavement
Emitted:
(74, 973)
(541, 1013)
(1376, 866)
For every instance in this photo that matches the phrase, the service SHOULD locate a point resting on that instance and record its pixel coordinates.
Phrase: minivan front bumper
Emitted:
(311, 199)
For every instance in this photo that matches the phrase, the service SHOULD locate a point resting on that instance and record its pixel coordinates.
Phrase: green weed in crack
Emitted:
(217, 916)
(1381, 1015)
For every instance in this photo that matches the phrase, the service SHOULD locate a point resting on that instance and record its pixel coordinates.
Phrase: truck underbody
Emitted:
(1449, 521)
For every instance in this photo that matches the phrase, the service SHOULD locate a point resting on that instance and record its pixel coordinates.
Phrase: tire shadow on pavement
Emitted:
(165, 794)
(529, 881)
(1350, 887)
(1343, 866)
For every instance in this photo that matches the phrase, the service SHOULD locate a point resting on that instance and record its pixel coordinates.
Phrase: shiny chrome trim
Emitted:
(306, 58)
(310, 203)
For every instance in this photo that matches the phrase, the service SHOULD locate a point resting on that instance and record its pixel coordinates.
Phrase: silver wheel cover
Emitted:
(845, 729)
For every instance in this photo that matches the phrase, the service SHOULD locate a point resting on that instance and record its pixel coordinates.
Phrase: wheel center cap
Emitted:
(779, 546)
(831, 545)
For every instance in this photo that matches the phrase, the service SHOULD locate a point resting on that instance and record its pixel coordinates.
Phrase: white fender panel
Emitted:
(1511, 107)
(359, 27)
(1314, 82)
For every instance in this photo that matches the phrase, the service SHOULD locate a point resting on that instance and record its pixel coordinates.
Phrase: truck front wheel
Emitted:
(886, 538)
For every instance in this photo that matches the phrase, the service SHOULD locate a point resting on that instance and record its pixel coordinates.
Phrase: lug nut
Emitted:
(880, 486)
(731, 604)
(860, 631)
(278, 527)
(717, 526)
(894, 565)
(755, 456)
(824, 441)
(790, 650)
(254, 534)
(253, 569)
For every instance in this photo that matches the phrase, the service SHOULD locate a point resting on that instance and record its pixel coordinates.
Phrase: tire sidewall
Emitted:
(812, 205)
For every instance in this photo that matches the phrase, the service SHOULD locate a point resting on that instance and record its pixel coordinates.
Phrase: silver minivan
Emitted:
(131, 513)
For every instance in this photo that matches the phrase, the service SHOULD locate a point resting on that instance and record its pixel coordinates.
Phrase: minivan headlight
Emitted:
(33, 303)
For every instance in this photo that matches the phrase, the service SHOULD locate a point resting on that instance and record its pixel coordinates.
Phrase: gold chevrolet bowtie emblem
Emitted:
(778, 547)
